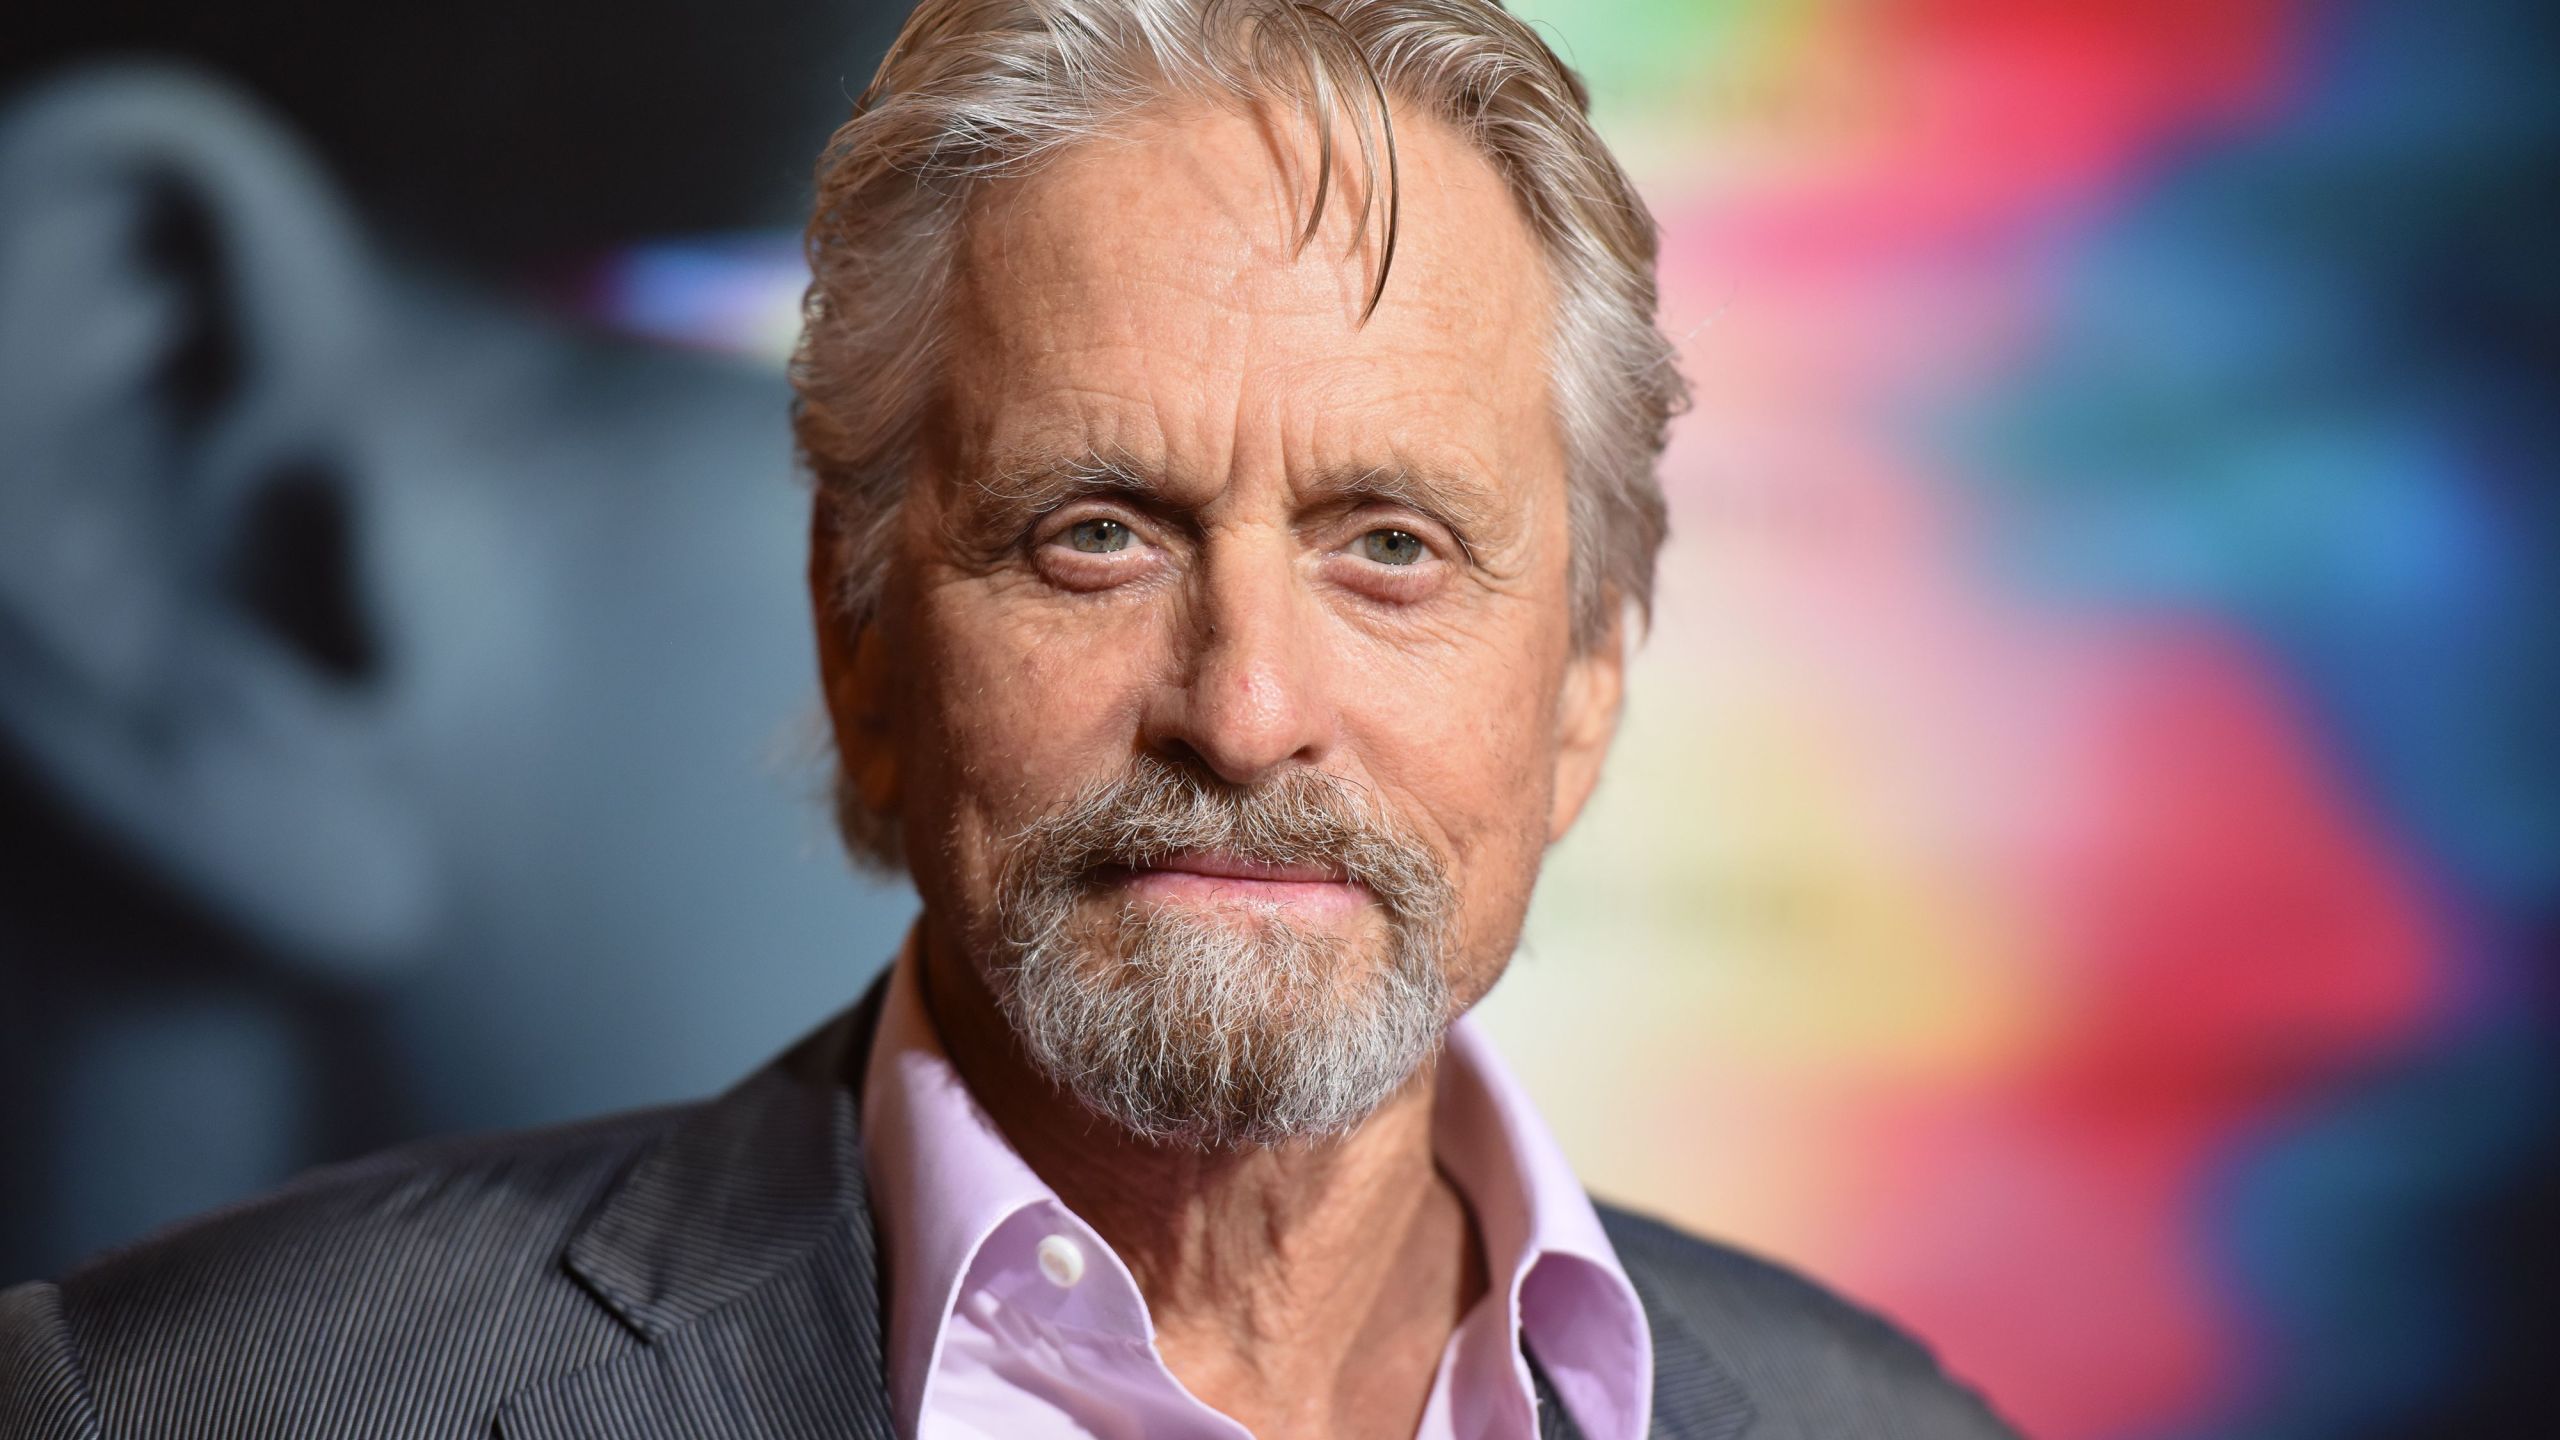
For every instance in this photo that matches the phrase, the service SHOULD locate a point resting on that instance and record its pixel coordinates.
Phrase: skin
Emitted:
(1247, 596)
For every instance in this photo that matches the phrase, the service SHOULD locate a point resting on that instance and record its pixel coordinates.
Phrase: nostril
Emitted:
(1183, 754)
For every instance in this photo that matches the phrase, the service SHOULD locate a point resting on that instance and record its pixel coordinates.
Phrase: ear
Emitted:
(189, 663)
(854, 669)
(1595, 685)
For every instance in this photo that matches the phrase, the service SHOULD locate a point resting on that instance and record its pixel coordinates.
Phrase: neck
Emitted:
(1308, 1288)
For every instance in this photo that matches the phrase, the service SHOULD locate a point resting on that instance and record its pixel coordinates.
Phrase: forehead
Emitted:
(1158, 271)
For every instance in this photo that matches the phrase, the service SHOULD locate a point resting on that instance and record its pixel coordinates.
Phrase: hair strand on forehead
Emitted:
(1320, 45)
(1320, 99)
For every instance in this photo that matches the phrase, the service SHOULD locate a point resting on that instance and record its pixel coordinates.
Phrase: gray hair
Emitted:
(973, 90)
(1227, 1031)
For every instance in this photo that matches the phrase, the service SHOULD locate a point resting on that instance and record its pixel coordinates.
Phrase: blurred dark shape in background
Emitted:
(491, 134)
(400, 688)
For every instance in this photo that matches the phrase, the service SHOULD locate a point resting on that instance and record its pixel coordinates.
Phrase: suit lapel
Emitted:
(798, 1355)
(1694, 1398)
(740, 1252)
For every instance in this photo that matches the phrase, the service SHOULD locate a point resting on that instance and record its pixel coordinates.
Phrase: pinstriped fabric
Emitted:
(400, 1297)
(770, 1364)
(1741, 1344)
(1694, 1398)
(710, 1271)
(742, 1249)
(738, 1189)
(418, 1293)
(41, 1392)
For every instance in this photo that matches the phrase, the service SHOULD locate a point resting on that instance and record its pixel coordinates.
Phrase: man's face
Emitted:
(1199, 550)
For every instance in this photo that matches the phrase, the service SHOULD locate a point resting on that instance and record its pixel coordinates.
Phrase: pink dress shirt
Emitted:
(1009, 1317)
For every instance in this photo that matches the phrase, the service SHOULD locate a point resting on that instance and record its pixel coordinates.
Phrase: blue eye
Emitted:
(1098, 537)
(1392, 547)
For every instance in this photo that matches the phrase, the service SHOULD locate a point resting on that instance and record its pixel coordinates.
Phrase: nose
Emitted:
(1247, 696)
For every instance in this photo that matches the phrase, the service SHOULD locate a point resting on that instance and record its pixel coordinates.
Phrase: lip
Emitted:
(1217, 865)
(1213, 877)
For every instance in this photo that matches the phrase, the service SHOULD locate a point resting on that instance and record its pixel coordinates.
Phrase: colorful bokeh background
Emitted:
(2081, 864)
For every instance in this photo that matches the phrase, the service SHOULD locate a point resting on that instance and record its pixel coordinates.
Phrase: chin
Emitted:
(1225, 1026)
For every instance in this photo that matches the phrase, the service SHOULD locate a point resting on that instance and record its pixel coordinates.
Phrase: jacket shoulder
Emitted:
(42, 1395)
(1812, 1363)
(402, 1294)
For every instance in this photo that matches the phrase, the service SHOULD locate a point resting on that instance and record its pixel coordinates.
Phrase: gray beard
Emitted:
(1232, 1028)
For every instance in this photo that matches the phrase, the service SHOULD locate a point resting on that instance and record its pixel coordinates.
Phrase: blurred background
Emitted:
(2082, 865)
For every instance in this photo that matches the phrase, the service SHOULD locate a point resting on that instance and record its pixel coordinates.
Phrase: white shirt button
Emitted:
(1062, 1260)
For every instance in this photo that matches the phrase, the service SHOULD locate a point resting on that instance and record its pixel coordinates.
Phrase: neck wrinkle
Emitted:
(1236, 1252)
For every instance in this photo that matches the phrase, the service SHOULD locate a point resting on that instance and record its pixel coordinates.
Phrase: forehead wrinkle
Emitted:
(1062, 227)
(1212, 179)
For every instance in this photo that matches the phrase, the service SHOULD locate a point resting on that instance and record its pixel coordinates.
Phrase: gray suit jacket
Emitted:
(709, 1271)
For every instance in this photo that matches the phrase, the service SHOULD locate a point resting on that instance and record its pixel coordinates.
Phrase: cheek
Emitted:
(1467, 751)
(1019, 707)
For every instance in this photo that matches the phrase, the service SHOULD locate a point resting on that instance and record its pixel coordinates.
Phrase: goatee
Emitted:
(1230, 1027)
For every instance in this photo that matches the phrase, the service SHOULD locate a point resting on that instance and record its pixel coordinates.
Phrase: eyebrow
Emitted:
(999, 503)
(1472, 511)
(1043, 483)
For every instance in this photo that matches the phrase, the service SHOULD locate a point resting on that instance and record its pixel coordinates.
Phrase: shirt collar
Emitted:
(1569, 1297)
(943, 1179)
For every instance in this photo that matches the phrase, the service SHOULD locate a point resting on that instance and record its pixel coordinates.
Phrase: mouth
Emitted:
(1208, 877)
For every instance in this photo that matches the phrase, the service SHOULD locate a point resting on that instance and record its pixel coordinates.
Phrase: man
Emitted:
(1234, 428)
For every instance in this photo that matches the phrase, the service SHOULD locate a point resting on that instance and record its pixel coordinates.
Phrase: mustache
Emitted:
(1158, 808)
(1187, 1030)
